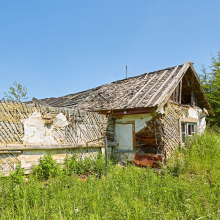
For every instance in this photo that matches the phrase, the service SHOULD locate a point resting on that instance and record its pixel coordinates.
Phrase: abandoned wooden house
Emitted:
(145, 118)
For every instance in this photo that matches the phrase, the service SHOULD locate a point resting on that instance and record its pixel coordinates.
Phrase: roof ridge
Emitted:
(144, 74)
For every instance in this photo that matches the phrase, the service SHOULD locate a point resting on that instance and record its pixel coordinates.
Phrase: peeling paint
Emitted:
(140, 120)
(194, 113)
(202, 123)
(60, 121)
(36, 132)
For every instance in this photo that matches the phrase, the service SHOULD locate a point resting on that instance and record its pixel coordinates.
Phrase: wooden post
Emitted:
(106, 157)
(192, 98)
(180, 130)
(177, 92)
(180, 91)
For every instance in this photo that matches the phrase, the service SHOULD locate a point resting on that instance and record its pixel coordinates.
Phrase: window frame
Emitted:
(187, 129)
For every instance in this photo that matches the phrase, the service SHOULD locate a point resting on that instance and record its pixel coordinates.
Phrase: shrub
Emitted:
(198, 155)
(18, 175)
(48, 167)
(87, 166)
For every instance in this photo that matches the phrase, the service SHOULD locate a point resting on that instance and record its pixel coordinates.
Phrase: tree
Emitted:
(17, 93)
(211, 85)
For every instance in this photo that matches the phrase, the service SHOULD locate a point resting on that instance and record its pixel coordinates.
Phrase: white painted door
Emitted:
(124, 136)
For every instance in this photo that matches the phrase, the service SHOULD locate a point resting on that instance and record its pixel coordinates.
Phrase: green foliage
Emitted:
(86, 166)
(211, 85)
(202, 155)
(189, 188)
(48, 167)
(18, 175)
(17, 93)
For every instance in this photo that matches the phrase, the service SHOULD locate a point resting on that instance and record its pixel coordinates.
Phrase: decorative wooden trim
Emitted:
(132, 111)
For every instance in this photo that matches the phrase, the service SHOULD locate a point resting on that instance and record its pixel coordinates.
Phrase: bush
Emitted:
(48, 167)
(18, 175)
(201, 154)
(87, 166)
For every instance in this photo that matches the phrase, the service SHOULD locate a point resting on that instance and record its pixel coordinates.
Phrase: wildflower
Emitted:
(76, 210)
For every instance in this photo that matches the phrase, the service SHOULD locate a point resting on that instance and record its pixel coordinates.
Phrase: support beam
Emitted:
(180, 91)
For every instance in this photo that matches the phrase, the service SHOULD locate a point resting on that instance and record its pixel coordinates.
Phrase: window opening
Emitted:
(188, 129)
(191, 129)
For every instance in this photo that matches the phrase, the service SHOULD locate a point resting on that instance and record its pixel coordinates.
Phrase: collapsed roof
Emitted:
(146, 90)
(71, 100)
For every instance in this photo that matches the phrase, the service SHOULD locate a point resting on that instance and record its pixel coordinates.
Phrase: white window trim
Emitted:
(187, 123)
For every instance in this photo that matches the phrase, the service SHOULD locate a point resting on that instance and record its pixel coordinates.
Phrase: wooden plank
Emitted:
(10, 152)
(177, 92)
(124, 96)
(162, 86)
(55, 109)
(163, 98)
(180, 91)
(137, 94)
(18, 147)
(3, 146)
(146, 93)
(96, 139)
(157, 92)
(189, 119)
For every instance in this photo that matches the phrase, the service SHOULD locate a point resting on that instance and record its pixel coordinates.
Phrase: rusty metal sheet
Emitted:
(145, 160)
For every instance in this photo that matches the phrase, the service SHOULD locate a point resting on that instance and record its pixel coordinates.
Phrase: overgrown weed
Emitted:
(188, 189)
(18, 175)
(47, 167)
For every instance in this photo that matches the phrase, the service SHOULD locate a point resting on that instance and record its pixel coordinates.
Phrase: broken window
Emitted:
(191, 128)
(188, 129)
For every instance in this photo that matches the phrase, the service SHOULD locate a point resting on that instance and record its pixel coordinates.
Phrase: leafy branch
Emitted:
(17, 93)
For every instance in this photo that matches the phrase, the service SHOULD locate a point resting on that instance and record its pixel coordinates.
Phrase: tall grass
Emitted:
(188, 188)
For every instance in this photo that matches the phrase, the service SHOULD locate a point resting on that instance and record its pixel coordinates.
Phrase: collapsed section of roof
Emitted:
(148, 90)
(71, 100)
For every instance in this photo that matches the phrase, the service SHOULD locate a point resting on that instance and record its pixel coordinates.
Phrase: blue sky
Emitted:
(54, 48)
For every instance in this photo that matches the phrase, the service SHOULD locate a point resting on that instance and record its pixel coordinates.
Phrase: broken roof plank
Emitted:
(145, 90)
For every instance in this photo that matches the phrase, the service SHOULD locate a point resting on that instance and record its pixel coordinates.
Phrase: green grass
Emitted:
(188, 188)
